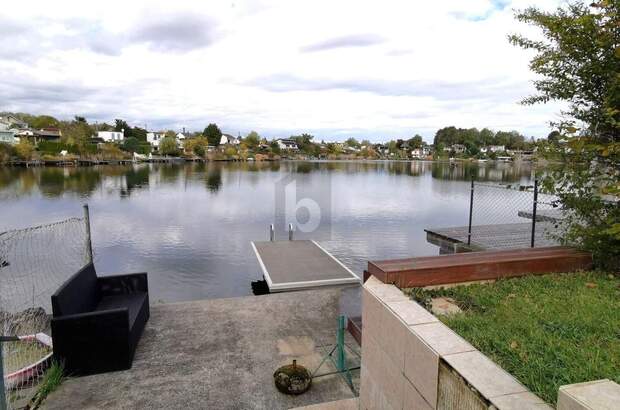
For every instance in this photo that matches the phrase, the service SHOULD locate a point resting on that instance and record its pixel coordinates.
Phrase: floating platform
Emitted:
(490, 237)
(296, 265)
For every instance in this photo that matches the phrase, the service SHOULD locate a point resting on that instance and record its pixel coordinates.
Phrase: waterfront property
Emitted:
(229, 139)
(154, 138)
(221, 354)
(111, 136)
(287, 144)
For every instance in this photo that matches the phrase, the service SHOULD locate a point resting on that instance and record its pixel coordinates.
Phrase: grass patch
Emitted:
(547, 331)
(51, 380)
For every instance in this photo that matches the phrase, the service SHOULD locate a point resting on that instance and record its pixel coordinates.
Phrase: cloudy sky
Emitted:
(376, 69)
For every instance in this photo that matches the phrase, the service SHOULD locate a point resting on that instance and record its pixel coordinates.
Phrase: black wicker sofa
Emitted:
(97, 321)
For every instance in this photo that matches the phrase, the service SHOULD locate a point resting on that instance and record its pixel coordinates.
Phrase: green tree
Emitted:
(554, 137)
(213, 134)
(168, 146)
(275, 147)
(121, 125)
(131, 144)
(137, 133)
(415, 142)
(352, 142)
(578, 61)
(43, 121)
(252, 140)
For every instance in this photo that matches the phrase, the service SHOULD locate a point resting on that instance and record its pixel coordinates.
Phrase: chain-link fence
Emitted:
(512, 216)
(34, 262)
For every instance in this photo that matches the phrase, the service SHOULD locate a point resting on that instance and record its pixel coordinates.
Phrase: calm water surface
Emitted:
(190, 225)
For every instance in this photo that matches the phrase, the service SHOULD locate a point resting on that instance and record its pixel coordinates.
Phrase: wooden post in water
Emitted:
(535, 202)
(89, 244)
(471, 209)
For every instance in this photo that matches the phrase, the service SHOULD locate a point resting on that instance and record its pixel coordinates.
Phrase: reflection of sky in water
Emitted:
(190, 226)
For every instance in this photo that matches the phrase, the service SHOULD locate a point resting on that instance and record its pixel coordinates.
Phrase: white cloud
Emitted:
(371, 69)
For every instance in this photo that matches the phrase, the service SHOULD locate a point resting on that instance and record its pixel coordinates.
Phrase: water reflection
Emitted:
(190, 225)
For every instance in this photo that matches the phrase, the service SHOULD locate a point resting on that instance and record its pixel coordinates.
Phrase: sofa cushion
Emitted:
(79, 294)
(132, 301)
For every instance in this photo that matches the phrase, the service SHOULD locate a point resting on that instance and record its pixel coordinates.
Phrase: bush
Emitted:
(24, 149)
(199, 150)
(6, 152)
(588, 185)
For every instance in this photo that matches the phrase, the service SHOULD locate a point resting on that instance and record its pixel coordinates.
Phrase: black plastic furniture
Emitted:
(97, 321)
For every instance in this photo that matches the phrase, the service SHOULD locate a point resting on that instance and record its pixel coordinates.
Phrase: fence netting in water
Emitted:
(503, 217)
(34, 262)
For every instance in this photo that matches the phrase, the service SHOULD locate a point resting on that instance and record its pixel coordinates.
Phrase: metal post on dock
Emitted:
(290, 232)
(272, 234)
(89, 244)
(340, 355)
(535, 203)
(471, 209)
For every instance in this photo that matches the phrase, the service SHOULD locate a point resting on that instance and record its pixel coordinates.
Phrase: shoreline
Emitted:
(175, 160)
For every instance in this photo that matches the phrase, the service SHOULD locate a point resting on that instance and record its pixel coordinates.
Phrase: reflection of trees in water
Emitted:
(135, 178)
(17, 181)
(56, 181)
(170, 173)
(213, 178)
(482, 172)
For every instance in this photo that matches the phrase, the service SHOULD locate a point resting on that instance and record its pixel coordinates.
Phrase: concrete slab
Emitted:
(220, 354)
(346, 404)
(295, 265)
(594, 395)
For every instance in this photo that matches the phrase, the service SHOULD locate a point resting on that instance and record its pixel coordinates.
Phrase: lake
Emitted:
(190, 225)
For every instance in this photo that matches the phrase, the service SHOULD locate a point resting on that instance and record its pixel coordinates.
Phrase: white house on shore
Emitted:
(493, 148)
(421, 152)
(111, 136)
(287, 144)
(154, 138)
(229, 139)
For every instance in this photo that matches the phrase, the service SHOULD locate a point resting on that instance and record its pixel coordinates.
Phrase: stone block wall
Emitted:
(403, 346)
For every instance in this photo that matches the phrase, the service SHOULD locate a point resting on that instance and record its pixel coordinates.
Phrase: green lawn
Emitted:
(546, 330)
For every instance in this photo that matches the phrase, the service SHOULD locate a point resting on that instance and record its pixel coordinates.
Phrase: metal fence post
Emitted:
(3, 404)
(272, 233)
(89, 244)
(471, 209)
(340, 360)
(290, 232)
(535, 203)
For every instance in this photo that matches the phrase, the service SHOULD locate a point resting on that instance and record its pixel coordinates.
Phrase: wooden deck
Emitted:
(476, 266)
(489, 237)
(295, 265)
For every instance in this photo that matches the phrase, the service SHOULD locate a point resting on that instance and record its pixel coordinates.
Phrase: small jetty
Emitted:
(490, 237)
(301, 264)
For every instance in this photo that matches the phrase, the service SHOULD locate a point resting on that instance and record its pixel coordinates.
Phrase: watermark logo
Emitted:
(305, 203)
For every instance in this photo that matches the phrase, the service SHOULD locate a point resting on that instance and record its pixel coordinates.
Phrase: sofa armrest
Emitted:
(123, 284)
(111, 315)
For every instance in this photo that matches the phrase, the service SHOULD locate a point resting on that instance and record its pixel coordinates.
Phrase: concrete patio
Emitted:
(221, 354)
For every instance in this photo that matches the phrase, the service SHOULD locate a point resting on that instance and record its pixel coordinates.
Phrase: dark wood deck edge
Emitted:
(493, 268)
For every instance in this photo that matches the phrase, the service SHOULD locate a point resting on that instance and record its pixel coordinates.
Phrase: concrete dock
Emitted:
(297, 265)
(221, 354)
(491, 237)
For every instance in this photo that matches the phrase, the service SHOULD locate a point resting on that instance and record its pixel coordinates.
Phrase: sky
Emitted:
(335, 69)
